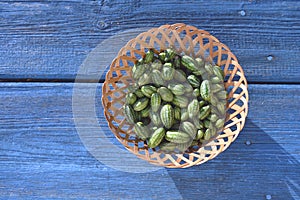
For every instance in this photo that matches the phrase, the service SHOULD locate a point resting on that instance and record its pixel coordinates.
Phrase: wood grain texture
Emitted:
(42, 156)
(50, 39)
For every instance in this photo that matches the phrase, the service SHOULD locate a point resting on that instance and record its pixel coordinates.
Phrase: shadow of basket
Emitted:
(246, 171)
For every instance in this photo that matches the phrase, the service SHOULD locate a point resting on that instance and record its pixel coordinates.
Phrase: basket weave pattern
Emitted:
(193, 42)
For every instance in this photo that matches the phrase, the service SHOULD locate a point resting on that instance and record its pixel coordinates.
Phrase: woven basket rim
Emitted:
(237, 122)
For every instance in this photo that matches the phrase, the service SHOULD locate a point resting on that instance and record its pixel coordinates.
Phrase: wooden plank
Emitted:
(50, 40)
(42, 156)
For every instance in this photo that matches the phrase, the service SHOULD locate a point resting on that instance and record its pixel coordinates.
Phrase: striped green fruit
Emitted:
(149, 56)
(201, 103)
(221, 109)
(148, 90)
(193, 80)
(130, 114)
(177, 113)
(188, 88)
(156, 138)
(130, 98)
(217, 87)
(222, 95)
(200, 134)
(139, 93)
(189, 63)
(168, 73)
(200, 62)
(182, 147)
(165, 94)
(213, 131)
(196, 92)
(141, 104)
(155, 119)
(167, 146)
(215, 80)
(144, 79)
(207, 134)
(167, 116)
(215, 110)
(188, 128)
(145, 112)
(198, 124)
(205, 90)
(180, 101)
(141, 130)
(204, 112)
(184, 114)
(180, 76)
(178, 137)
(207, 123)
(193, 108)
(213, 117)
(170, 54)
(200, 65)
(209, 68)
(155, 101)
(168, 65)
(220, 123)
(137, 71)
(177, 89)
(162, 56)
(218, 72)
(214, 100)
(156, 77)
(156, 64)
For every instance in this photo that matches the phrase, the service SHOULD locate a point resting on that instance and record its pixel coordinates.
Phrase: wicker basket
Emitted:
(191, 41)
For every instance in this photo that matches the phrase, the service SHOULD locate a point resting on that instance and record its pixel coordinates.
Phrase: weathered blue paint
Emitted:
(50, 39)
(41, 154)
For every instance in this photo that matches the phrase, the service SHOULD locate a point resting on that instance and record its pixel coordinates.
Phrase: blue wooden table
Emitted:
(43, 45)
